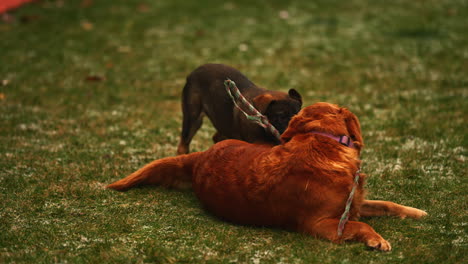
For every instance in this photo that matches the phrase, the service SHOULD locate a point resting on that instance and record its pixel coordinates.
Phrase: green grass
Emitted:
(400, 66)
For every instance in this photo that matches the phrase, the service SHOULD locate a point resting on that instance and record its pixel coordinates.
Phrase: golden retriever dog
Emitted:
(303, 184)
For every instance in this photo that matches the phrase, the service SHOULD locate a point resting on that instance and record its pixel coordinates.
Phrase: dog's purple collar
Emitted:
(344, 140)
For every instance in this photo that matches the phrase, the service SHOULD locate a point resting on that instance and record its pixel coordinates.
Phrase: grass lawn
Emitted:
(90, 92)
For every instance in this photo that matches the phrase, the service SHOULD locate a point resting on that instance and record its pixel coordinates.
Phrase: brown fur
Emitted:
(302, 184)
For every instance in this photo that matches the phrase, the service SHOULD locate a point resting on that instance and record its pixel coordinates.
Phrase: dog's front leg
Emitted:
(353, 230)
(384, 208)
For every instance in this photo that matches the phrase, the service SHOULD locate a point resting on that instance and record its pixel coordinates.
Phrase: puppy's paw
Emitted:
(379, 243)
(412, 213)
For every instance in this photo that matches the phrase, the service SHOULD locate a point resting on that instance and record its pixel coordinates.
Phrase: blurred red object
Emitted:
(6, 5)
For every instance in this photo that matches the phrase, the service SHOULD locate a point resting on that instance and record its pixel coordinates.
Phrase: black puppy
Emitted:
(205, 94)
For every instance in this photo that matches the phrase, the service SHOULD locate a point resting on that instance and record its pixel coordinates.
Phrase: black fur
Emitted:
(205, 94)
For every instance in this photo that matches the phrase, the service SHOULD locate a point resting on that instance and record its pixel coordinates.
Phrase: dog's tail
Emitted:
(173, 172)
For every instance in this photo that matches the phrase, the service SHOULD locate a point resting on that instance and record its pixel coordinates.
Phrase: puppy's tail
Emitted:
(173, 172)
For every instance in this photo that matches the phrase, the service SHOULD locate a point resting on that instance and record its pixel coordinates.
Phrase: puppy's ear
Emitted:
(262, 102)
(353, 127)
(295, 95)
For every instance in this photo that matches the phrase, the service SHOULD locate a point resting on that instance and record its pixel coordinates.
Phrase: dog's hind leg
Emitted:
(384, 208)
(192, 117)
(217, 137)
(353, 231)
(169, 172)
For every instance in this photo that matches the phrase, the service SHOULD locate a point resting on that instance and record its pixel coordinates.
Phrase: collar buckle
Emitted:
(345, 140)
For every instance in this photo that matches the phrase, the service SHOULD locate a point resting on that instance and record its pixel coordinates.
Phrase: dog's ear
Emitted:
(353, 127)
(296, 125)
(261, 102)
(295, 95)
(290, 130)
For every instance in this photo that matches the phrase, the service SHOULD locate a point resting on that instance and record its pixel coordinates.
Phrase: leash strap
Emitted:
(256, 117)
(344, 140)
(345, 216)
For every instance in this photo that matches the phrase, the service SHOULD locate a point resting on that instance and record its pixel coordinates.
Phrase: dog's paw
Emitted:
(379, 244)
(412, 213)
